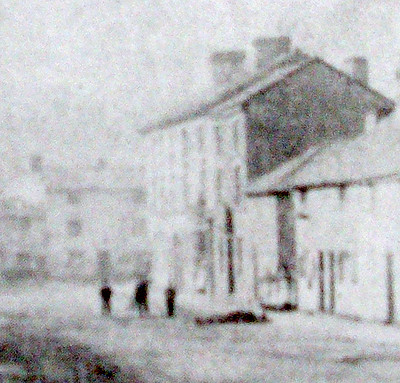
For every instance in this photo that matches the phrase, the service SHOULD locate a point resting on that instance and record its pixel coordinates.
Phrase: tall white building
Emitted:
(200, 161)
(196, 177)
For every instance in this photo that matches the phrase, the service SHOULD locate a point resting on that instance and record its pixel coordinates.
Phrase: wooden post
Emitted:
(390, 289)
(332, 291)
(321, 282)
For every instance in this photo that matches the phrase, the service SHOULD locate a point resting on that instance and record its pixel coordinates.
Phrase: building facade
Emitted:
(23, 240)
(344, 212)
(204, 239)
(96, 221)
(80, 223)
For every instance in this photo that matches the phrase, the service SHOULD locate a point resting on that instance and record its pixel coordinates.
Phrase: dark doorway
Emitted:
(211, 254)
(229, 226)
(287, 243)
(327, 282)
(390, 289)
(332, 288)
(321, 282)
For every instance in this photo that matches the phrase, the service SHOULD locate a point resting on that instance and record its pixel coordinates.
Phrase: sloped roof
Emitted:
(279, 71)
(369, 157)
(62, 179)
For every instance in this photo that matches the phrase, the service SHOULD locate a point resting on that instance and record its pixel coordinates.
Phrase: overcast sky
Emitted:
(77, 76)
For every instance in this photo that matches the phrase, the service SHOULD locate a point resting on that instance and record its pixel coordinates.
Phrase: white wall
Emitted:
(365, 224)
(108, 219)
(172, 209)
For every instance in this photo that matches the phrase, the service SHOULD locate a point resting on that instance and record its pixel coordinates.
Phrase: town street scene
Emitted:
(200, 191)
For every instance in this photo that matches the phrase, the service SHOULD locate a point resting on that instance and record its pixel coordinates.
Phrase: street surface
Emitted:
(295, 347)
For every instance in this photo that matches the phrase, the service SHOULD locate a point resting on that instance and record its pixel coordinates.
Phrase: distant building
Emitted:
(200, 162)
(79, 223)
(96, 220)
(23, 239)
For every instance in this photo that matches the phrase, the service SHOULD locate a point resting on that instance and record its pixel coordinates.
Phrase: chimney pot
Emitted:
(269, 49)
(360, 69)
(228, 67)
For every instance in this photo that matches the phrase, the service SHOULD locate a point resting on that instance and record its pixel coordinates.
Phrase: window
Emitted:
(139, 226)
(101, 164)
(185, 143)
(221, 248)
(229, 221)
(75, 258)
(74, 228)
(219, 185)
(25, 223)
(201, 242)
(238, 186)
(236, 135)
(239, 252)
(24, 260)
(200, 137)
(36, 163)
(203, 174)
(185, 180)
(139, 196)
(73, 197)
(218, 139)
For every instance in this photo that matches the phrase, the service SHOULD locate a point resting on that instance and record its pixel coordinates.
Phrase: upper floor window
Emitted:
(238, 185)
(236, 135)
(203, 175)
(75, 258)
(185, 180)
(219, 185)
(36, 163)
(185, 143)
(74, 228)
(218, 138)
(73, 197)
(139, 226)
(200, 137)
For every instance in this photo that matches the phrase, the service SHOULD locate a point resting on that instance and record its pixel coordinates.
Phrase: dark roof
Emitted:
(365, 159)
(285, 67)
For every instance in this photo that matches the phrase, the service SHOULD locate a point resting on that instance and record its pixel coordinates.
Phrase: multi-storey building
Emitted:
(96, 218)
(343, 208)
(200, 161)
(23, 239)
(83, 223)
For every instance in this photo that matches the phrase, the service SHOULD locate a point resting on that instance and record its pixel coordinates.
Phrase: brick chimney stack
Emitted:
(269, 49)
(228, 68)
(359, 67)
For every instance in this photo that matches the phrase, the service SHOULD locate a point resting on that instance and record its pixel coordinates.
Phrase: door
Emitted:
(390, 289)
(327, 281)
(321, 277)
(229, 227)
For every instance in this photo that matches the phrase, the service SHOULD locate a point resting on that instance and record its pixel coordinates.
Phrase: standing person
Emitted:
(106, 294)
(170, 298)
(141, 297)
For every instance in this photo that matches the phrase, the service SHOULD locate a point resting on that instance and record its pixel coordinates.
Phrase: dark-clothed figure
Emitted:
(106, 294)
(170, 297)
(141, 297)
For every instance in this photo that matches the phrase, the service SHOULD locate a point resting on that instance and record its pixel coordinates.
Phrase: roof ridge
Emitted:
(296, 56)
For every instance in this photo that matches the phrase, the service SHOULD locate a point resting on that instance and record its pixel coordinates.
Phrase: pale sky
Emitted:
(78, 76)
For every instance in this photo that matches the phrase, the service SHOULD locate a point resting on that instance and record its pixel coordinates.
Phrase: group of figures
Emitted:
(139, 299)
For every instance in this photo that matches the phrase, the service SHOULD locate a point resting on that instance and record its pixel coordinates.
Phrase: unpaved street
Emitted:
(294, 347)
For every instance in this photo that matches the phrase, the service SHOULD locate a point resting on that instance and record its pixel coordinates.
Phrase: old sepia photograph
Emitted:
(199, 191)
